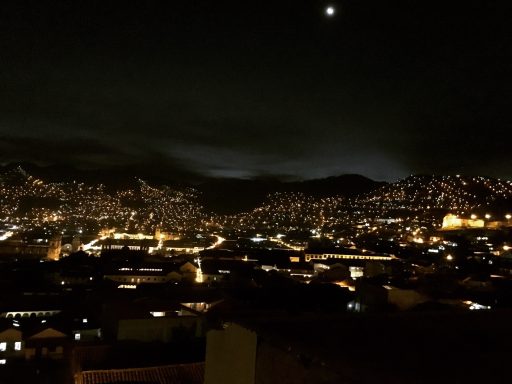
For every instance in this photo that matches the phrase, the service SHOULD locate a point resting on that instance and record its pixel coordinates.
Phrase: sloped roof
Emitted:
(48, 333)
(168, 374)
(10, 334)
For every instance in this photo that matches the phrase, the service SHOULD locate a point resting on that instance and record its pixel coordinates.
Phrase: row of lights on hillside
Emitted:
(488, 216)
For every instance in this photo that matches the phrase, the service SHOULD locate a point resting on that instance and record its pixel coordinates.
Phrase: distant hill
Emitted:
(428, 192)
(231, 196)
(258, 203)
(221, 196)
(112, 178)
(227, 196)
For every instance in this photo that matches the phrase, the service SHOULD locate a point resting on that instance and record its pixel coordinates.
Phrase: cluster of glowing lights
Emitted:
(476, 306)
(6, 235)
(89, 208)
(127, 286)
(125, 269)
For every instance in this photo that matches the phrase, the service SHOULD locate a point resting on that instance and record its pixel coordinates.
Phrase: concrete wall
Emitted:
(230, 356)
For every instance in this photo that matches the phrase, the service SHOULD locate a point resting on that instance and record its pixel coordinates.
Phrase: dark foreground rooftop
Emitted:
(169, 374)
(471, 347)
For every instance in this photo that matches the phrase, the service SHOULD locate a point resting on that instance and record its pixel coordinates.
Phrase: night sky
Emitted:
(258, 89)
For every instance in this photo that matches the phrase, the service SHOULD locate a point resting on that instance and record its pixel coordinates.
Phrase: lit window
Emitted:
(3, 346)
(84, 321)
(17, 346)
(77, 336)
(3, 361)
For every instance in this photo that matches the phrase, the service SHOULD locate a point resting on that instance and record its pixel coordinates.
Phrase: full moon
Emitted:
(329, 11)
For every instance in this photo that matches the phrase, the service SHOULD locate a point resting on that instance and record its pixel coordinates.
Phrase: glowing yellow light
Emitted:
(199, 272)
(6, 235)
(449, 257)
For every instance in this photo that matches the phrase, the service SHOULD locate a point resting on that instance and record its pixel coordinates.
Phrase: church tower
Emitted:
(54, 247)
(75, 244)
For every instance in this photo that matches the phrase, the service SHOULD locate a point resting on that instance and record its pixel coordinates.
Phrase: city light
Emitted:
(216, 192)
(199, 272)
(6, 235)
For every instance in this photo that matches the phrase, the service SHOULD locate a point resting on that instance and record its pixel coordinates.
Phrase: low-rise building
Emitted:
(344, 254)
(11, 343)
(47, 343)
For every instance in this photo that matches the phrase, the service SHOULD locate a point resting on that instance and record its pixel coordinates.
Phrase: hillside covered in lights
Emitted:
(31, 202)
(455, 193)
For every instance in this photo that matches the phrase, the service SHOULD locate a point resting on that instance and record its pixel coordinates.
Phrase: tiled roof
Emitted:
(168, 374)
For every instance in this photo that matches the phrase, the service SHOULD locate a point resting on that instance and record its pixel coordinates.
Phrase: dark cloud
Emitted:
(90, 154)
(230, 89)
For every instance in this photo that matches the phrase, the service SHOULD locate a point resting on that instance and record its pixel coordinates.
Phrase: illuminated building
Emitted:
(11, 343)
(54, 247)
(451, 221)
(131, 236)
(40, 312)
(163, 236)
(76, 244)
(146, 245)
(142, 275)
(185, 246)
(344, 254)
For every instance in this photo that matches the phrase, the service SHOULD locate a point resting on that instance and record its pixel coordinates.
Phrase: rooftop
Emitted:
(169, 374)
